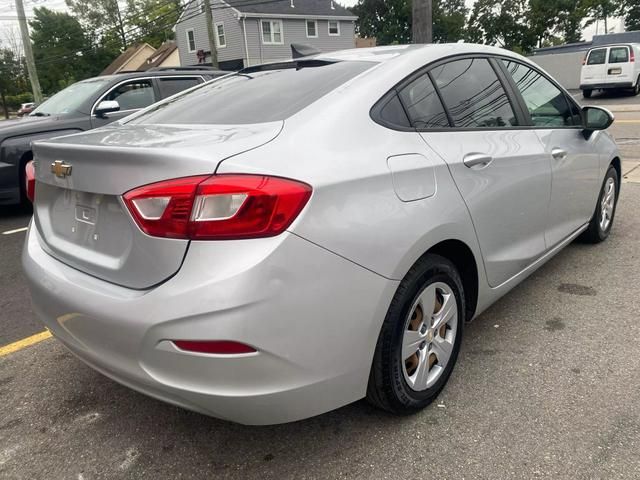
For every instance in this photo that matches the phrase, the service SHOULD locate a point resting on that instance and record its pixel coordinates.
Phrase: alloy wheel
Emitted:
(608, 203)
(429, 336)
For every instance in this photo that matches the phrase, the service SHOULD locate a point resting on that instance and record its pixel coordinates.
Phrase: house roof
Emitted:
(123, 58)
(159, 56)
(319, 8)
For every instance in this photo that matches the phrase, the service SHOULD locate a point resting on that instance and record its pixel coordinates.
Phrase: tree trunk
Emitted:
(4, 106)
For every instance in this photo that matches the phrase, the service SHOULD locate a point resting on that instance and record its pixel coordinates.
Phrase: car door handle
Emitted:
(477, 161)
(558, 154)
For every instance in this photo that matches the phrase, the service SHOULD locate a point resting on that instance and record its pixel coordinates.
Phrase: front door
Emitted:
(131, 95)
(501, 171)
(557, 121)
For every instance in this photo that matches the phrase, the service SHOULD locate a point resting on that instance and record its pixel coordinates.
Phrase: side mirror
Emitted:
(597, 118)
(106, 106)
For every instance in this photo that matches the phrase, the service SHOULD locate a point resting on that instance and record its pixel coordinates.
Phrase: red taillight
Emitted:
(30, 180)
(584, 60)
(218, 207)
(632, 55)
(215, 347)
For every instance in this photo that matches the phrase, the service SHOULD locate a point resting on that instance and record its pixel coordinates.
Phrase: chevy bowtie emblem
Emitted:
(60, 169)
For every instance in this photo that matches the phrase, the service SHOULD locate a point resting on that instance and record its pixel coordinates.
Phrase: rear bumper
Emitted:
(605, 86)
(314, 318)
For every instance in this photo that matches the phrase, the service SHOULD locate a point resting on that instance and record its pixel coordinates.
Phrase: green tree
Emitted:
(152, 21)
(570, 19)
(11, 73)
(449, 19)
(104, 19)
(602, 10)
(501, 23)
(630, 11)
(390, 20)
(63, 52)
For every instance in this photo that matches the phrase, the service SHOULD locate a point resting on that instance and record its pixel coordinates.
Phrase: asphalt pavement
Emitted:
(546, 386)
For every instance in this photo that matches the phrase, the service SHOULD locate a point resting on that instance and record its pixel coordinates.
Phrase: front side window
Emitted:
(271, 32)
(254, 96)
(597, 57)
(423, 104)
(312, 29)
(191, 41)
(133, 95)
(473, 94)
(334, 28)
(222, 39)
(618, 55)
(546, 103)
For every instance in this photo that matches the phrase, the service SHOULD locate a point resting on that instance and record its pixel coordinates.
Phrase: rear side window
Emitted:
(393, 113)
(473, 94)
(423, 104)
(546, 103)
(618, 55)
(171, 86)
(255, 96)
(597, 57)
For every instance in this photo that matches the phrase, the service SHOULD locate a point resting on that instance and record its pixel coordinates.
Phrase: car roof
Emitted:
(392, 52)
(163, 73)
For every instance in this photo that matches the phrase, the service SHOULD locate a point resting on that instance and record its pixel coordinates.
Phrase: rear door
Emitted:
(132, 95)
(500, 169)
(619, 66)
(557, 121)
(594, 70)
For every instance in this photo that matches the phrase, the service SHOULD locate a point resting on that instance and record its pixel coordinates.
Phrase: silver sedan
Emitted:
(297, 236)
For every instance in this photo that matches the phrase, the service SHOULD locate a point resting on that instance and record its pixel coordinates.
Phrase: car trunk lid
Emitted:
(79, 213)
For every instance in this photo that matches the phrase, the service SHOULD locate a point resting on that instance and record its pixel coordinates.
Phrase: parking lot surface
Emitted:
(546, 386)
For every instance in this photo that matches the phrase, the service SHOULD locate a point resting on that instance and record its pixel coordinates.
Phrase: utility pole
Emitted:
(123, 37)
(28, 53)
(422, 21)
(212, 41)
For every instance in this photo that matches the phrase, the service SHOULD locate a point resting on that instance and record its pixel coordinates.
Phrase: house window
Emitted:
(220, 36)
(312, 29)
(271, 32)
(191, 40)
(334, 28)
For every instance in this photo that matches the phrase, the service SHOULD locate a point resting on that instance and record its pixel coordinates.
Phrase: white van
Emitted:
(611, 67)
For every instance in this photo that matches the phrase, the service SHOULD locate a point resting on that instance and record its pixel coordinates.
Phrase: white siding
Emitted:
(192, 19)
(294, 31)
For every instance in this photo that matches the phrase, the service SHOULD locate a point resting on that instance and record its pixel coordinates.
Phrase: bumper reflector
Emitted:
(217, 347)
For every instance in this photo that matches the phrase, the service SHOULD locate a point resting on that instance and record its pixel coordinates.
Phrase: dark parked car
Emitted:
(82, 106)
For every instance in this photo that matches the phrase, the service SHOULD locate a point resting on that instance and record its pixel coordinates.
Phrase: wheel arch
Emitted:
(461, 255)
(617, 164)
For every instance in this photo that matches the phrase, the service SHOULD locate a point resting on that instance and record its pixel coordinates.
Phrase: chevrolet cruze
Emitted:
(299, 235)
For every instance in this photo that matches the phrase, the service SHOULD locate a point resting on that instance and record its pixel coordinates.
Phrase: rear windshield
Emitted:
(618, 55)
(254, 96)
(597, 57)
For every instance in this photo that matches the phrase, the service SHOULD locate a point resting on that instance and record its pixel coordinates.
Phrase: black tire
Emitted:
(587, 93)
(636, 89)
(594, 233)
(388, 388)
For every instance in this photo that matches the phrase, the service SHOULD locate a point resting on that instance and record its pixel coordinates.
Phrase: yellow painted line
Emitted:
(17, 230)
(24, 343)
(627, 121)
